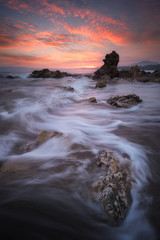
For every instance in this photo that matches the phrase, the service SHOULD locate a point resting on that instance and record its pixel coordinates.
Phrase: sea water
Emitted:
(46, 193)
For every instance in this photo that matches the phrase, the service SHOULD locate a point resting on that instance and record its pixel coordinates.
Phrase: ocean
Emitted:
(46, 193)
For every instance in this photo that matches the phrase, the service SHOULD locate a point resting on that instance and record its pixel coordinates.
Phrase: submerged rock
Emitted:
(92, 99)
(46, 73)
(113, 187)
(12, 77)
(43, 137)
(124, 101)
(69, 88)
(109, 69)
(100, 84)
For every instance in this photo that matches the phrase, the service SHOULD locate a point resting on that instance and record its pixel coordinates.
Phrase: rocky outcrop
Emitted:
(135, 70)
(125, 74)
(124, 101)
(101, 84)
(42, 138)
(114, 186)
(46, 73)
(109, 69)
(92, 100)
(133, 73)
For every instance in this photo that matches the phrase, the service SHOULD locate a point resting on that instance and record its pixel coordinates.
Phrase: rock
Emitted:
(125, 74)
(88, 75)
(92, 99)
(144, 80)
(114, 187)
(12, 77)
(109, 68)
(46, 73)
(156, 73)
(100, 84)
(124, 101)
(111, 59)
(135, 70)
(42, 138)
(69, 88)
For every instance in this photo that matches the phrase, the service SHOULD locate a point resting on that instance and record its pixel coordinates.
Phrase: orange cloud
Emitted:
(95, 17)
(96, 35)
(97, 27)
(51, 7)
(6, 43)
(46, 7)
(43, 7)
(18, 26)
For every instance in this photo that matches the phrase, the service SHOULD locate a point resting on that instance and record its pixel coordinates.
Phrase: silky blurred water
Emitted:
(46, 193)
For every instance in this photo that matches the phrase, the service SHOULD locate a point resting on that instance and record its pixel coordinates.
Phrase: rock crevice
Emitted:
(114, 187)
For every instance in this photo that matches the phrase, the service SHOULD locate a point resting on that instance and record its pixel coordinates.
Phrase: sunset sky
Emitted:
(78, 33)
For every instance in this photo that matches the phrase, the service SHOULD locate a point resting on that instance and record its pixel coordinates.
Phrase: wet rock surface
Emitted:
(42, 138)
(67, 88)
(12, 77)
(101, 84)
(114, 187)
(124, 101)
(92, 100)
(46, 73)
(109, 69)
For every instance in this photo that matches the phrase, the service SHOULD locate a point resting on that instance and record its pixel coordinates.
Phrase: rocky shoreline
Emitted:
(113, 186)
(107, 73)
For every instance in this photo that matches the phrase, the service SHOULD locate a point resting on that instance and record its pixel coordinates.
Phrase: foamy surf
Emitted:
(65, 166)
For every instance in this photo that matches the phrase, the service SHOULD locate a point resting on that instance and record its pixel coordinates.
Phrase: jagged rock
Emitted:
(92, 99)
(42, 137)
(109, 68)
(46, 73)
(124, 101)
(100, 84)
(113, 187)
